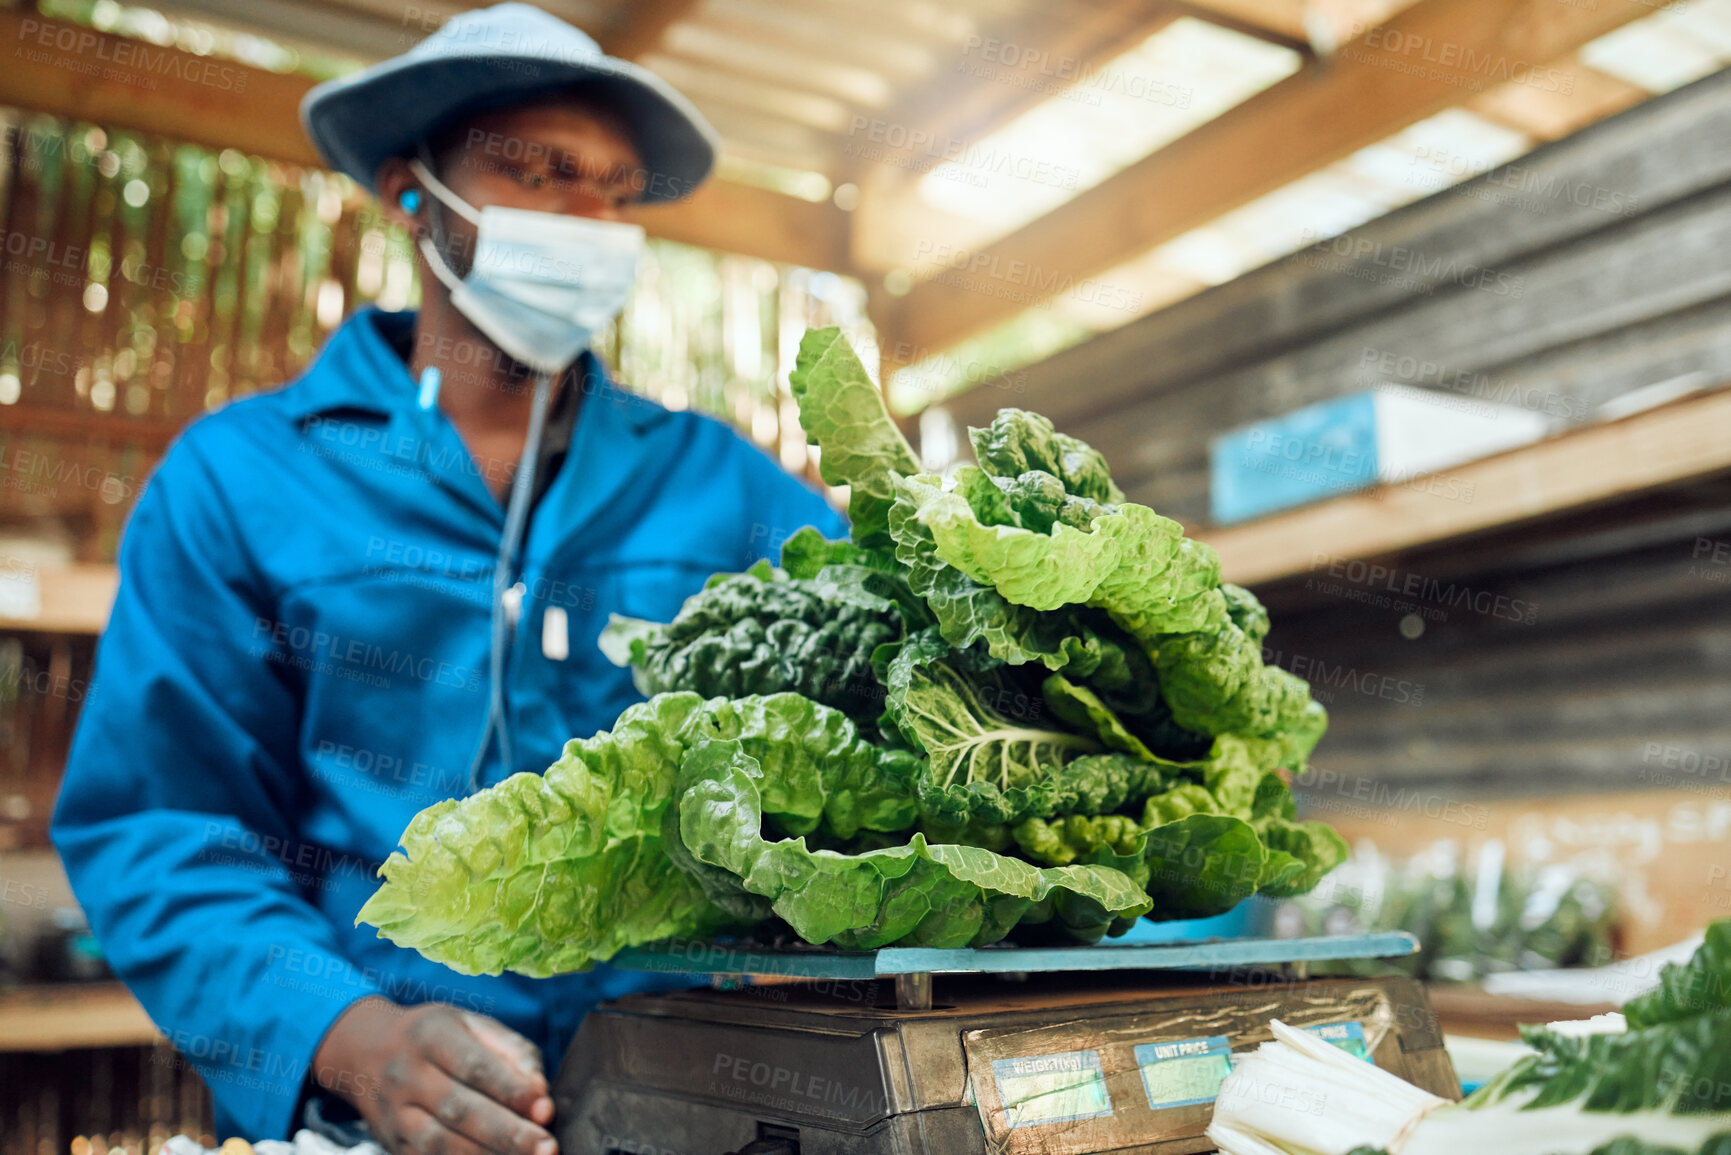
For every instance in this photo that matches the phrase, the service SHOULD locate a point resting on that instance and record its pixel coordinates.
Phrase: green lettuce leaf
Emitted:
(544, 874)
(818, 771)
(807, 553)
(1299, 855)
(1083, 710)
(914, 895)
(1042, 571)
(1018, 442)
(1090, 785)
(843, 414)
(953, 709)
(1199, 866)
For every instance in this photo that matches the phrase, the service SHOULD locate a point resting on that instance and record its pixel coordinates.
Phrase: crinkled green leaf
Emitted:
(543, 874)
(807, 553)
(1063, 840)
(1196, 867)
(1091, 784)
(961, 538)
(1042, 571)
(1163, 582)
(750, 634)
(817, 769)
(843, 413)
(1017, 442)
(1299, 855)
(913, 895)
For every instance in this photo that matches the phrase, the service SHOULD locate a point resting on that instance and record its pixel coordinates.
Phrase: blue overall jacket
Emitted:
(297, 663)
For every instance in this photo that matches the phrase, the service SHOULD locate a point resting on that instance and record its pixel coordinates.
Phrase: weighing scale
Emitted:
(998, 1051)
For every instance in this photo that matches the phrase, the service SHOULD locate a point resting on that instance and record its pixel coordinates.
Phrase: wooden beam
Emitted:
(1288, 33)
(1283, 18)
(797, 105)
(1055, 48)
(150, 433)
(752, 57)
(1550, 115)
(644, 24)
(862, 41)
(1430, 57)
(782, 141)
(82, 74)
(1676, 443)
(754, 222)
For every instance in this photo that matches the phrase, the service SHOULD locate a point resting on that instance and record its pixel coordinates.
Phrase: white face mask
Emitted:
(541, 283)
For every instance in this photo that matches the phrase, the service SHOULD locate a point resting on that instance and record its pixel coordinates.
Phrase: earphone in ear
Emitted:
(410, 200)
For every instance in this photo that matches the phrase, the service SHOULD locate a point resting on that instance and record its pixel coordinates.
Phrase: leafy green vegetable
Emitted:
(912, 895)
(750, 634)
(843, 412)
(543, 874)
(1018, 442)
(1701, 984)
(808, 553)
(1042, 571)
(1083, 710)
(1015, 703)
(958, 719)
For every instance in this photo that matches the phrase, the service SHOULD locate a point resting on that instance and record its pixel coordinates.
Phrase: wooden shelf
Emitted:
(73, 599)
(1669, 445)
(70, 1016)
(1465, 1009)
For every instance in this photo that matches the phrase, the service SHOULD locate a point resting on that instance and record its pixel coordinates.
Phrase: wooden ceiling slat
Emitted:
(224, 104)
(700, 83)
(335, 29)
(1424, 60)
(1284, 18)
(646, 22)
(959, 105)
(1283, 36)
(854, 42)
(744, 55)
(1550, 115)
(800, 147)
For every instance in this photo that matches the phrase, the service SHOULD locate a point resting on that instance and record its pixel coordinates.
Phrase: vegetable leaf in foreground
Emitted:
(1654, 1084)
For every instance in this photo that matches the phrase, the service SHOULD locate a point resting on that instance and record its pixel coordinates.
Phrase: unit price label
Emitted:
(1349, 1037)
(1184, 1072)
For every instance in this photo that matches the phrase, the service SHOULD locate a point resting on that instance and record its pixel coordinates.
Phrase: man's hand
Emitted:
(433, 1080)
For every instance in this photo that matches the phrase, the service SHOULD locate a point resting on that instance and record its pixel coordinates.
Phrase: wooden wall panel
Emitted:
(1596, 265)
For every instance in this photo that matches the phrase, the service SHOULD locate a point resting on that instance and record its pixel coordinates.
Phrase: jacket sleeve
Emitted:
(172, 819)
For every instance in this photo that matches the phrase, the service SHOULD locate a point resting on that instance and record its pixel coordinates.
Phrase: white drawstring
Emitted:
(504, 573)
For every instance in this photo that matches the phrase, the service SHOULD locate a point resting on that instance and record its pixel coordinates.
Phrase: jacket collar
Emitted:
(359, 369)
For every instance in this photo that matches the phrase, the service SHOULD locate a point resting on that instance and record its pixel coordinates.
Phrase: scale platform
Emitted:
(1006, 1051)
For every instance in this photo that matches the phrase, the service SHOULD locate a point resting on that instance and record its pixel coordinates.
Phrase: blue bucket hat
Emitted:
(492, 57)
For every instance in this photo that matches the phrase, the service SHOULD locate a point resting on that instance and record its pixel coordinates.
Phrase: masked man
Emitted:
(381, 586)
